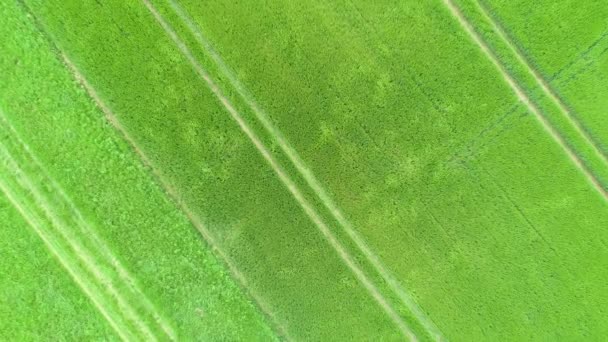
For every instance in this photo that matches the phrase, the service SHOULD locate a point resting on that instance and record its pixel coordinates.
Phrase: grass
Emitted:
(32, 279)
(558, 118)
(116, 200)
(341, 170)
(575, 72)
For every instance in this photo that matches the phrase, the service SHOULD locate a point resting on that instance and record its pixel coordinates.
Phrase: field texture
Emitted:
(303, 170)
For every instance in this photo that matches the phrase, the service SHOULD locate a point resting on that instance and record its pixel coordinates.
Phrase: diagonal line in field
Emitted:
(307, 174)
(521, 95)
(81, 222)
(173, 194)
(61, 256)
(520, 211)
(90, 233)
(101, 304)
(598, 42)
(285, 179)
(563, 76)
(80, 251)
(544, 85)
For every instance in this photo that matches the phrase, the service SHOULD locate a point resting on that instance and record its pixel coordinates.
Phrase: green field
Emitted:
(303, 171)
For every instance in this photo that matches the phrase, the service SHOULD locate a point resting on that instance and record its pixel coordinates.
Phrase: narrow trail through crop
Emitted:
(521, 95)
(173, 194)
(78, 276)
(87, 230)
(307, 174)
(93, 264)
(562, 76)
(542, 83)
(51, 234)
(285, 179)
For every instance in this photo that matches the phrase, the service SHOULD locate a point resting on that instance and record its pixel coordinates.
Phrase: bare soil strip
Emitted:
(308, 176)
(289, 184)
(596, 184)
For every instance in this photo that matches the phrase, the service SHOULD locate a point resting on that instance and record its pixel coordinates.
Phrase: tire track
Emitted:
(521, 95)
(87, 230)
(173, 194)
(563, 76)
(67, 259)
(542, 83)
(285, 179)
(309, 177)
(95, 266)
